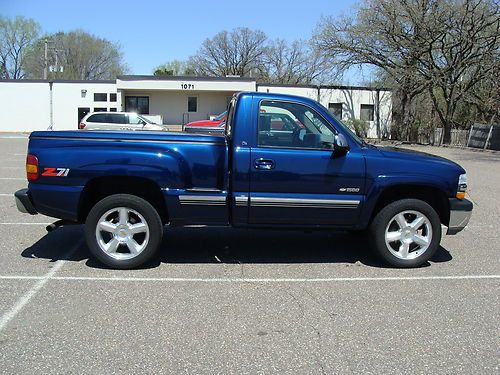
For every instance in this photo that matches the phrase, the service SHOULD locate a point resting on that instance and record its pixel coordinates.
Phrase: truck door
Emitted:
(295, 177)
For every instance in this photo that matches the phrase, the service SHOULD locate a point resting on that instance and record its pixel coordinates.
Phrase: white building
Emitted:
(38, 105)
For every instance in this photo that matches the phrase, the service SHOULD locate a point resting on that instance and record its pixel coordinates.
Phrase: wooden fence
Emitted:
(486, 137)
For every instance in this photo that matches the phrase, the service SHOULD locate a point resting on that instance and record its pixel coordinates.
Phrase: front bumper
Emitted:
(23, 202)
(460, 213)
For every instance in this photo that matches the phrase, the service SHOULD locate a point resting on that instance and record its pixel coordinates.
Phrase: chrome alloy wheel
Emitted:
(408, 234)
(122, 233)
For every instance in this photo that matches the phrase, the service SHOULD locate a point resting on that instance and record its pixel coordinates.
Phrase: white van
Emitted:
(117, 121)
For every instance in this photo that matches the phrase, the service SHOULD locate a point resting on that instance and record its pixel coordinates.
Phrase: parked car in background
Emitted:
(117, 121)
(214, 123)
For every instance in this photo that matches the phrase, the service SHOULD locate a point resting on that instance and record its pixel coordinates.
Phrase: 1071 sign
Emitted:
(187, 86)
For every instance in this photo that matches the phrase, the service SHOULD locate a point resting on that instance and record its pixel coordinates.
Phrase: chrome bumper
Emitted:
(460, 213)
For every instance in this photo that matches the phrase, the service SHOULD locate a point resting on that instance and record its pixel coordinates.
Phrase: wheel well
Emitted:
(101, 187)
(433, 196)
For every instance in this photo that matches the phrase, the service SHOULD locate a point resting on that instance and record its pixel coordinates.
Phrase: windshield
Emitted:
(221, 116)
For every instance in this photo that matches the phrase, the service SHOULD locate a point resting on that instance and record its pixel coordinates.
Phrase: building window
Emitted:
(367, 111)
(137, 104)
(100, 97)
(100, 109)
(112, 109)
(112, 97)
(192, 104)
(335, 109)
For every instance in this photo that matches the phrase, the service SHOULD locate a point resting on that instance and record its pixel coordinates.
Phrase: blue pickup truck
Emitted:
(283, 162)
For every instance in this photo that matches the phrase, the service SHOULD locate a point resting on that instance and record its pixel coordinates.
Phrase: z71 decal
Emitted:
(55, 172)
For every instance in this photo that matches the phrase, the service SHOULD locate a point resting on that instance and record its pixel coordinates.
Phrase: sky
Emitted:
(153, 32)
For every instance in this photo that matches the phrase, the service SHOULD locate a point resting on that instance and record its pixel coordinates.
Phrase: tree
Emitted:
(238, 52)
(294, 63)
(16, 38)
(441, 47)
(82, 56)
(381, 34)
(173, 68)
(463, 48)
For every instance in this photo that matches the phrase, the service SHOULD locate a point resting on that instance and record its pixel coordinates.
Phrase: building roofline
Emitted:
(181, 78)
(58, 81)
(337, 87)
(198, 78)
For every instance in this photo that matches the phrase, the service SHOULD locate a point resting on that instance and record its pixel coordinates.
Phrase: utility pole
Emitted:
(45, 60)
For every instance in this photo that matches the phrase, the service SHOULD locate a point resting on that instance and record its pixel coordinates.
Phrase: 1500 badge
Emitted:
(349, 190)
(55, 172)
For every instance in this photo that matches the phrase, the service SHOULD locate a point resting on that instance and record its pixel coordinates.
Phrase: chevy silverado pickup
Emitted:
(282, 162)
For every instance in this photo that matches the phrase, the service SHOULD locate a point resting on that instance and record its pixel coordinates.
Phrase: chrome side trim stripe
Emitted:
(202, 200)
(241, 200)
(302, 203)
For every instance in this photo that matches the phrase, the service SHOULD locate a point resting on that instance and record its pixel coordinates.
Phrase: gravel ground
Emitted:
(249, 302)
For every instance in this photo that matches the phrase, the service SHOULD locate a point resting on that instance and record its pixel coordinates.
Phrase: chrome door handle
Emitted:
(265, 164)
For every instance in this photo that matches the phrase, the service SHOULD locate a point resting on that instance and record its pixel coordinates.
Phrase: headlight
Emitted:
(462, 186)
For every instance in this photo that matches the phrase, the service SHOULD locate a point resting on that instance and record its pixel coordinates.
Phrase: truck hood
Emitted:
(413, 155)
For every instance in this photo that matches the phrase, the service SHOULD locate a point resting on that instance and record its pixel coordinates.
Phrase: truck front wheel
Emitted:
(123, 231)
(406, 233)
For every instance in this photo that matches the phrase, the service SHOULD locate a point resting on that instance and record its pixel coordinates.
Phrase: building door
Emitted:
(82, 112)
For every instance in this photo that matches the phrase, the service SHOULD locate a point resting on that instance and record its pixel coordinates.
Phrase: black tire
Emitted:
(138, 210)
(385, 219)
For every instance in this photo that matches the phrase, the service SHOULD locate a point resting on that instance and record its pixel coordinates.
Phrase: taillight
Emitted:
(81, 125)
(32, 167)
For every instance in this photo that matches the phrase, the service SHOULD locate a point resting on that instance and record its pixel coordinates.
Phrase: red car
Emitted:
(218, 120)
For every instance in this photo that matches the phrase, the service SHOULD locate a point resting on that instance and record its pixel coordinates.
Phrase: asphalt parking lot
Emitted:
(249, 302)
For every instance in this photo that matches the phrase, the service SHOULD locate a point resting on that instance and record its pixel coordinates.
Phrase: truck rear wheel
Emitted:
(123, 231)
(406, 233)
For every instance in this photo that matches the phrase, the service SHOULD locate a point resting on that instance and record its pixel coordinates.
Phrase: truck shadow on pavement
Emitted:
(228, 245)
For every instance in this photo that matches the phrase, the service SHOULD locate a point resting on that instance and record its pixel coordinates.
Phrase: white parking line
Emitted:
(13, 178)
(25, 223)
(21, 302)
(6, 194)
(254, 280)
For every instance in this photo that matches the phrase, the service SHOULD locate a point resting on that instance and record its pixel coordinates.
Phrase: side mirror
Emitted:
(340, 144)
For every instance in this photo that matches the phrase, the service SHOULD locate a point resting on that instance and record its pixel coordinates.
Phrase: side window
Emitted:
(97, 118)
(116, 118)
(134, 120)
(292, 125)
